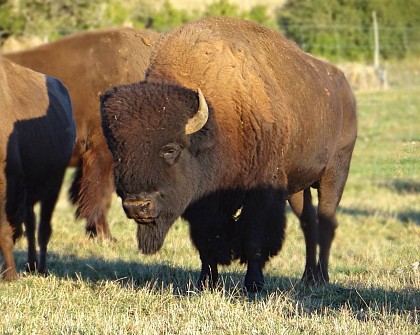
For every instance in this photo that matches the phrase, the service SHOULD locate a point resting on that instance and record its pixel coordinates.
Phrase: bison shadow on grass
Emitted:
(403, 216)
(159, 277)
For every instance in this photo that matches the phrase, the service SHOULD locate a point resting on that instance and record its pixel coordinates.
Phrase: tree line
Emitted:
(334, 29)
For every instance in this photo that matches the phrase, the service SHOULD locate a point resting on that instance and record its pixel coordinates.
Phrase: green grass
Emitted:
(109, 288)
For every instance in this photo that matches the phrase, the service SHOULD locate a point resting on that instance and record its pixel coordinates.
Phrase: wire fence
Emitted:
(361, 74)
(339, 38)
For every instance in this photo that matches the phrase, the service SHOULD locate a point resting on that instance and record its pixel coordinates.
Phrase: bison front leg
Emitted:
(254, 278)
(262, 220)
(301, 204)
(211, 227)
(209, 275)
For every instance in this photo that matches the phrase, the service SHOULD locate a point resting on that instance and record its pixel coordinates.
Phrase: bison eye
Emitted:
(170, 153)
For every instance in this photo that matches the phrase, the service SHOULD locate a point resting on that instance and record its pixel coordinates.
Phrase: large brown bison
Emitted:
(232, 120)
(36, 142)
(88, 63)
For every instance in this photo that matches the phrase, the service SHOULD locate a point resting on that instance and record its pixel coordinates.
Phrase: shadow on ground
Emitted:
(403, 216)
(136, 275)
(402, 186)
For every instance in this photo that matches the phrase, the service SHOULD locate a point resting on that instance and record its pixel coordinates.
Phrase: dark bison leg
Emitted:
(330, 190)
(211, 228)
(327, 225)
(45, 230)
(95, 187)
(262, 220)
(32, 262)
(209, 275)
(207, 238)
(301, 204)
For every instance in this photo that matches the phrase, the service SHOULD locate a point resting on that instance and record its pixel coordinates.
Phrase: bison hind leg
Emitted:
(32, 261)
(331, 187)
(301, 204)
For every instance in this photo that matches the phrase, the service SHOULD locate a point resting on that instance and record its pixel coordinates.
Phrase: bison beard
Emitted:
(150, 236)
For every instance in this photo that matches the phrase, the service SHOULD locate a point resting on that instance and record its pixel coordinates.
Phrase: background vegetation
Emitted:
(334, 29)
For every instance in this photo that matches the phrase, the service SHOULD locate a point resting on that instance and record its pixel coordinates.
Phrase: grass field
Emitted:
(109, 288)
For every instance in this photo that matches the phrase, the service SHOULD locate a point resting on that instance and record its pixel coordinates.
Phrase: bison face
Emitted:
(161, 138)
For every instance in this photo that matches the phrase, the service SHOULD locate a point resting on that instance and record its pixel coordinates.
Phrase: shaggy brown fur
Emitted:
(88, 63)
(280, 122)
(36, 142)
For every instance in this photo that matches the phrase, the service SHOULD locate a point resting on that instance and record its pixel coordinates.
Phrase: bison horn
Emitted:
(200, 118)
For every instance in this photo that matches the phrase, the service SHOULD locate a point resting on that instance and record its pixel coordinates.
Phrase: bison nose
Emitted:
(139, 209)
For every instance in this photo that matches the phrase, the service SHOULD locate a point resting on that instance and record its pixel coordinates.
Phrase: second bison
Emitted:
(232, 120)
(36, 142)
(88, 63)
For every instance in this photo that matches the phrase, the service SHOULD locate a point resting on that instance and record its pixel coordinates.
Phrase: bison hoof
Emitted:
(10, 275)
(309, 277)
(203, 284)
(321, 275)
(315, 277)
(209, 276)
(31, 266)
(254, 278)
(92, 233)
(254, 287)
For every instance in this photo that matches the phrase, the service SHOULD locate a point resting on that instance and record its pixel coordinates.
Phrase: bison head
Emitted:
(161, 137)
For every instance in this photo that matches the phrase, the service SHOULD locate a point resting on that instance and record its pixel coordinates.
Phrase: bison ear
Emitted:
(203, 140)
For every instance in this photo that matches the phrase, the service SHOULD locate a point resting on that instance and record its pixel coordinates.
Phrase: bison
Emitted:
(88, 63)
(231, 121)
(36, 142)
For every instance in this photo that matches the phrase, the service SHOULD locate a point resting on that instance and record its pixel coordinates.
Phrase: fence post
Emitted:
(380, 72)
(376, 39)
